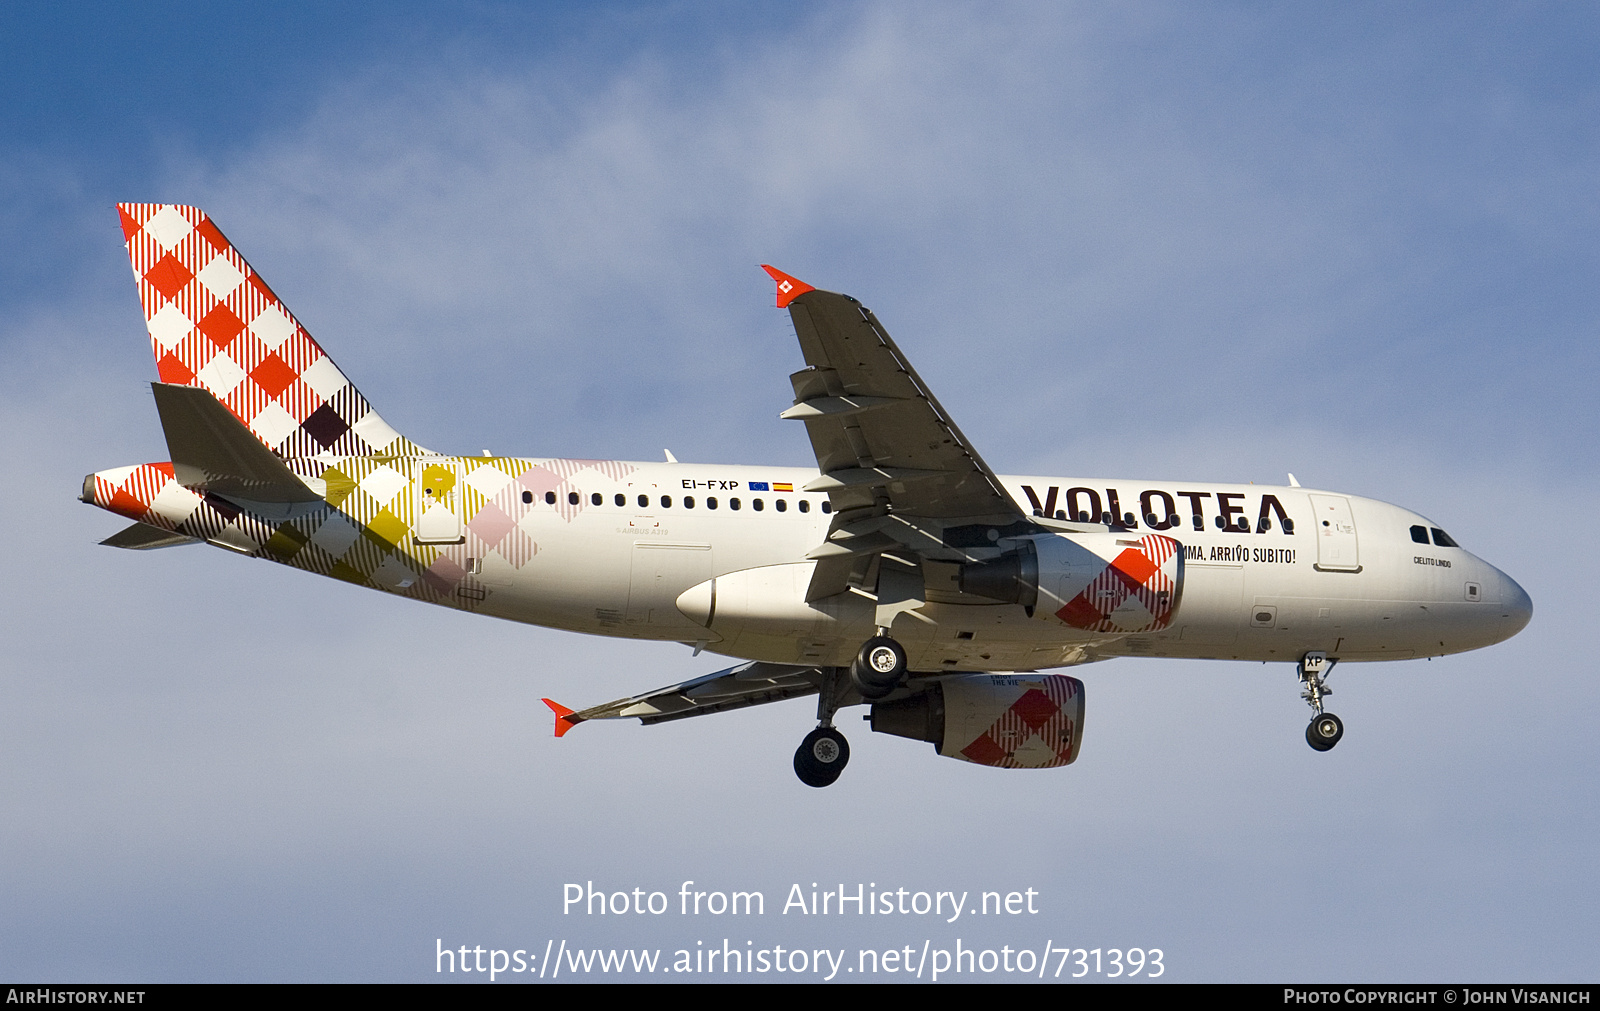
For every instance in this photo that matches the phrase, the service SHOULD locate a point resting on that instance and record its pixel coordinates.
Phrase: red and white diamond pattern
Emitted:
(1137, 592)
(216, 325)
(1035, 732)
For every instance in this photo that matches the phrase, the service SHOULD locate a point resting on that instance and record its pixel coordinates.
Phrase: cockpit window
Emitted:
(1419, 534)
(1443, 539)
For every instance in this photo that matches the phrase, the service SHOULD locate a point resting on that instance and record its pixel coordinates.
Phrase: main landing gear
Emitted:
(877, 670)
(1325, 729)
(879, 667)
(821, 757)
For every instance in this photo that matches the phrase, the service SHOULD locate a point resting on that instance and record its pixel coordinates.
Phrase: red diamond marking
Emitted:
(172, 370)
(221, 325)
(212, 234)
(1134, 567)
(129, 225)
(273, 375)
(1079, 613)
(985, 751)
(169, 276)
(127, 505)
(1034, 708)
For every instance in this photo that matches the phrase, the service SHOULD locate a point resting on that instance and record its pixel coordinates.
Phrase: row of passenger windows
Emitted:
(621, 500)
(1419, 533)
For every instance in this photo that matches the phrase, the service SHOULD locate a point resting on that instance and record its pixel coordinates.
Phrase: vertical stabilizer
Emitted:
(214, 324)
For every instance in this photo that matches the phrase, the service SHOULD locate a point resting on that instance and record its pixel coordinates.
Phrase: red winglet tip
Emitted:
(789, 288)
(562, 712)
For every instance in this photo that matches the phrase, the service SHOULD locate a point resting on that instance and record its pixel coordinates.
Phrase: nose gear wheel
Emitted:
(1325, 728)
(1324, 731)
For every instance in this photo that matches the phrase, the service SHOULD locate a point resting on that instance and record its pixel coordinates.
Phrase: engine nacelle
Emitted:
(1012, 721)
(1097, 582)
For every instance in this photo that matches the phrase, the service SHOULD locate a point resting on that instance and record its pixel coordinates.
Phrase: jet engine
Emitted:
(1012, 721)
(1111, 582)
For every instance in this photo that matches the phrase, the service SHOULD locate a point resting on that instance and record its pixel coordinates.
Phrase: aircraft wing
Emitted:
(749, 684)
(881, 438)
(898, 472)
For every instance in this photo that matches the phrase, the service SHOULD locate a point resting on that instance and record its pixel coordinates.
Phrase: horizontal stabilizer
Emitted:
(212, 449)
(749, 684)
(144, 536)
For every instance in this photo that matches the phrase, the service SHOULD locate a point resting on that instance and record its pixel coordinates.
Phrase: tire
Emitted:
(879, 667)
(821, 757)
(1324, 732)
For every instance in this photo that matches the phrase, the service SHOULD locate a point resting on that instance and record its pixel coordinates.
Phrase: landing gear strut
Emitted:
(876, 672)
(824, 753)
(1325, 728)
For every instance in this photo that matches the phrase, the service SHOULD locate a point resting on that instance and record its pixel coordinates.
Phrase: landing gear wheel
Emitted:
(1324, 731)
(821, 757)
(878, 668)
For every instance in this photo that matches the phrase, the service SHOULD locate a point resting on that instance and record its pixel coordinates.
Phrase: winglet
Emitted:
(789, 288)
(563, 724)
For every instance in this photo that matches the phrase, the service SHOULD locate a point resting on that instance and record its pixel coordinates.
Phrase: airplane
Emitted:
(900, 573)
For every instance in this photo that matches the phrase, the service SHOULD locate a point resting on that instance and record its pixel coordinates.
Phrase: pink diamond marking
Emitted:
(492, 524)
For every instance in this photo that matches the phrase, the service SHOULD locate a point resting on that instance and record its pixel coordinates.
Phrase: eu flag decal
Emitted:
(759, 486)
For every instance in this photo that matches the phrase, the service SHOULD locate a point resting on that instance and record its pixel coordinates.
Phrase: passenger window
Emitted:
(711, 502)
(805, 506)
(549, 498)
(781, 505)
(644, 501)
(688, 501)
(572, 498)
(733, 504)
(757, 506)
(622, 500)
(596, 498)
(1443, 539)
(1419, 534)
(666, 501)
(827, 507)
(527, 498)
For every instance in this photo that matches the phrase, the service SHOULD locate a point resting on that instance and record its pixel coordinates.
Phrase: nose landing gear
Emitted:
(1324, 731)
(1325, 728)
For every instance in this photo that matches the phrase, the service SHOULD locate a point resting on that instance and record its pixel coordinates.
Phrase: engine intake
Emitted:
(1112, 583)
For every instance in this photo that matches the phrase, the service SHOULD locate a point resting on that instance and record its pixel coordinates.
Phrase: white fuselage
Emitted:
(1350, 579)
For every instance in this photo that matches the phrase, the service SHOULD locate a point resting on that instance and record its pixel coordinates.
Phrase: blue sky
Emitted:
(1150, 241)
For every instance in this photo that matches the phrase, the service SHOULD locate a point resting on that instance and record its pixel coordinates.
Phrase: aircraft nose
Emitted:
(1516, 607)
